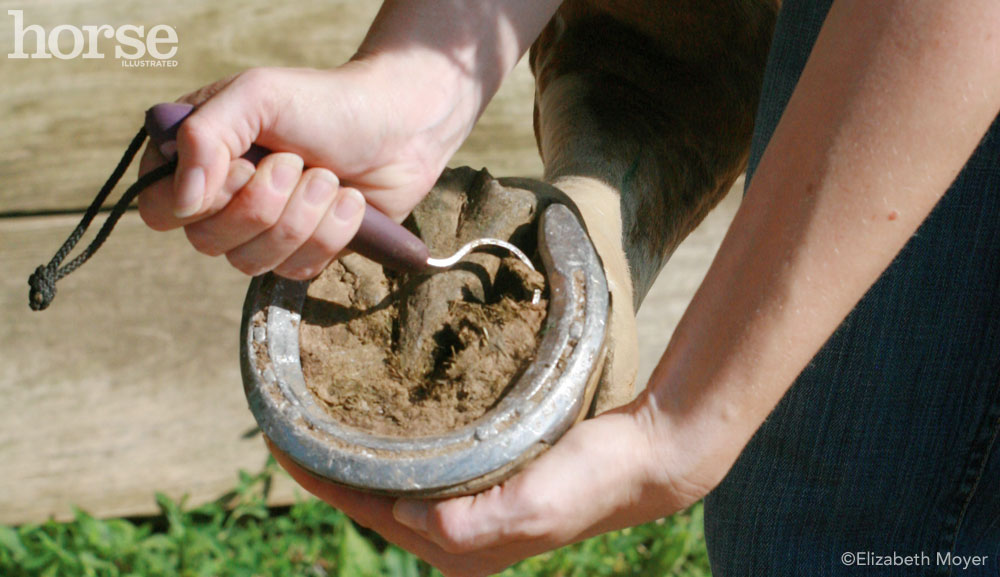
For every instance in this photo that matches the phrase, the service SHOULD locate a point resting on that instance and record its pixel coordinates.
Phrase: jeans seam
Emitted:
(979, 454)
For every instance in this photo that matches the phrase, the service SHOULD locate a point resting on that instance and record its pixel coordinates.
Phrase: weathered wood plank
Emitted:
(128, 384)
(66, 123)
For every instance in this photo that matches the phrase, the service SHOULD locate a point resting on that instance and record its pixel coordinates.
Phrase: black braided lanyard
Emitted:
(43, 280)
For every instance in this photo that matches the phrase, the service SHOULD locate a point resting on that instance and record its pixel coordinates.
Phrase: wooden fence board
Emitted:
(128, 384)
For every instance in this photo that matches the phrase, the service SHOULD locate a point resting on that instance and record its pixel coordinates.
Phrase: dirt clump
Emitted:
(411, 356)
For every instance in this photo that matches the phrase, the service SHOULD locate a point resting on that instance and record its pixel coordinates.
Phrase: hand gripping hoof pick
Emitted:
(379, 238)
(547, 398)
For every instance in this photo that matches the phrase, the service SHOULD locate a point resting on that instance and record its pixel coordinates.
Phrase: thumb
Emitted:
(591, 481)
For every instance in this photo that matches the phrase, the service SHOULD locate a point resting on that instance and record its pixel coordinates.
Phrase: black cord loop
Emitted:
(43, 280)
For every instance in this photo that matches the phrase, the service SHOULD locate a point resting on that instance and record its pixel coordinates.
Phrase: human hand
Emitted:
(617, 470)
(360, 136)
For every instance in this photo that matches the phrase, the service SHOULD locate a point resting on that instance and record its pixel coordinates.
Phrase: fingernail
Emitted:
(284, 173)
(349, 204)
(319, 189)
(190, 192)
(412, 513)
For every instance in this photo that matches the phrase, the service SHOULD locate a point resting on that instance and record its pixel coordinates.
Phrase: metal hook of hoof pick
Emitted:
(379, 238)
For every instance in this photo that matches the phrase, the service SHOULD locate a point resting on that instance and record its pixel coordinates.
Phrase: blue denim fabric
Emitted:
(887, 444)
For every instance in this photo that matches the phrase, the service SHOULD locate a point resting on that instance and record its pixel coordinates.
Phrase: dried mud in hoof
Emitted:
(418, 355)
(353, 362)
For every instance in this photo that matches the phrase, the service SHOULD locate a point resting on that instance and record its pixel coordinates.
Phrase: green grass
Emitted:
(239, 536)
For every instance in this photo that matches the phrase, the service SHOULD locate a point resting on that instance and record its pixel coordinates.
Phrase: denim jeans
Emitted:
(883, 458)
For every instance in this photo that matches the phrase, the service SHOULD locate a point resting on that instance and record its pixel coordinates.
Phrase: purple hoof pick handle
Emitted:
(379, 238)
